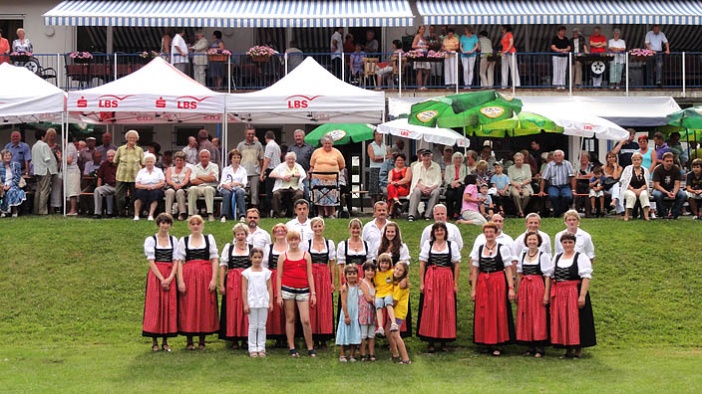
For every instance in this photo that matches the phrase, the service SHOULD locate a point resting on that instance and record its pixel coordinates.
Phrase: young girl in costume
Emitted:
(348, 333)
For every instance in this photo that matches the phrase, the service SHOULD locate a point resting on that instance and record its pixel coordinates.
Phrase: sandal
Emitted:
(261, 354)
(342, 359)
(154, 348)
(405, 362)
(166, 348)
(312, 353)
(496, 353)
(372, 358)
(395, 359)
(294, 353)
(364, 358)
(538, 354)
(189, 346)
(352, 359)
(201, 346)
(253, 355)
(444, 348)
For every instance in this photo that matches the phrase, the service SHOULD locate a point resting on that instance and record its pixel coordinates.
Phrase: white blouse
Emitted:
(544, 260)
(584, 265)
(341, 253)
(455, 253)
(505, 253)
(150, 178)
(150, 247)
(329, 249)
(179, 253)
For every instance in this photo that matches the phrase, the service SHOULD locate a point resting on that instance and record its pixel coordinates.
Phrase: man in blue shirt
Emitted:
(21, 153)
(559, 173)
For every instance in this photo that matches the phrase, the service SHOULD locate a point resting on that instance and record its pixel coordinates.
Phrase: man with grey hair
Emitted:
(200, 58)
(106, 182)
(203, 181)
(440, 216)
(304, 152)
(252, 161)
(559, 173)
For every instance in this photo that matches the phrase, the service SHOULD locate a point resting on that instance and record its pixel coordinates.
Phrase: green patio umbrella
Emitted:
(341, 133)
(522, 124)
(688, 118)
(464, 110)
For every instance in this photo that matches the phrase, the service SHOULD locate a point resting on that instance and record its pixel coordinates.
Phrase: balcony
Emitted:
(681, 75)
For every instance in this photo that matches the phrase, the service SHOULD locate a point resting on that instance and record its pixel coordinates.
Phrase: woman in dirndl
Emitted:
(492, 290)
(438, 285)
(161, 301)
(572, 322)
(534, 271)
(323, 256)
(233, 322)
(391, 243)
(351, 251)
(275, 325)
(197, 283)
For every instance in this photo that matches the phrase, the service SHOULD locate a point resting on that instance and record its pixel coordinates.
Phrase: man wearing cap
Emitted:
(426, 182)
(625, 148)
(559, 173)
(578, 45)
(86, 154)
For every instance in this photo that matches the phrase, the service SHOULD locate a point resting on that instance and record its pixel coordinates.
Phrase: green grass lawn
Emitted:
(71, 302)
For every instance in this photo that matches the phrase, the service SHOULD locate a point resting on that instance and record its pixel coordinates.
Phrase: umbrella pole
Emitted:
(687, 137)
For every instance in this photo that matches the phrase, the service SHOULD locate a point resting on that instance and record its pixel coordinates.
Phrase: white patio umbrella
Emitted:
(436, 135)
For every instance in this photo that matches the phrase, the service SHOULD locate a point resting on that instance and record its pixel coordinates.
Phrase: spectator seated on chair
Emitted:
(203, 182)
(356, 64)
(693, 187)
(105, 185)
(454, 175)
(666, 187)
(399, 179)
(426, 183)
(634, 183)
(559, 174)
(232, 188)
(385, 70)
(177, 181)
(500, 182)
(597, 192)
(470, 210)
(89, 180)
(520, 179)
(149, 186)
(288, 182)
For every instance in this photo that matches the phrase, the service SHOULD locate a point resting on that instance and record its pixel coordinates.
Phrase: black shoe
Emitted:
(97, 216)
(410, 218)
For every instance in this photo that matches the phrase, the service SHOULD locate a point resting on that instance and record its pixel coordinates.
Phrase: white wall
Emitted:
(46, 40)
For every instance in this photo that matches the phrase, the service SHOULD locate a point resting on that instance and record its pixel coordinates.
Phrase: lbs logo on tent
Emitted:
(300, 101)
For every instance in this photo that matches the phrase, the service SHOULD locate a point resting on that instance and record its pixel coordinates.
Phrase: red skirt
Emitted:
(197, 308)
(275, 325)
(322, 314)
(160, 306)
(234, 324)
(492, 323)
(532, 314)
(397, 191)
(437, 306)
(570, 325)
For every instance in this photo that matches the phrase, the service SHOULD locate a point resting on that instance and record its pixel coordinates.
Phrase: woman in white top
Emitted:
(583, 243)
(72, 177)
(22, 44)
(420, 44)
(377, 153)
(352, 251)
(323, 255)
(572, 322)
(232, 188)
(149, 186)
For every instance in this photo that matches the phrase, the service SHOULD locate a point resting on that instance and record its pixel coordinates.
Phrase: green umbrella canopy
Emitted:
(689, 118)
(464, 110)
(341, 133)
(523, 124)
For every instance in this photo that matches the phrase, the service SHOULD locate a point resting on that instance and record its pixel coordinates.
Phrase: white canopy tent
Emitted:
(156, 93)
(26, 98)
(308, 94)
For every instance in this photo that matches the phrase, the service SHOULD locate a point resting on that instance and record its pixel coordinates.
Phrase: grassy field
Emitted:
(71, 302)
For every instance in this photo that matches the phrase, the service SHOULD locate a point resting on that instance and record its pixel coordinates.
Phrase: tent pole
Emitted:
(64, 146)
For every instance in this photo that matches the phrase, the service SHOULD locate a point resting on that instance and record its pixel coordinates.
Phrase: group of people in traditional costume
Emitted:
(283, 288)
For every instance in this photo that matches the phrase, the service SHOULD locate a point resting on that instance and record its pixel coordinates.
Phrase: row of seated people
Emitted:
(184, 185)
(471, 194)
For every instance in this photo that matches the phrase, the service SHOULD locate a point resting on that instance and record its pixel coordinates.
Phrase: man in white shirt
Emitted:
(655, 40)
(179, 51)
(257, 236)
(301, 222)
(373, 230)
(337, 49)
(454, 234)
(533, 223)
(191, 152)
(203, 181)
(426, 183)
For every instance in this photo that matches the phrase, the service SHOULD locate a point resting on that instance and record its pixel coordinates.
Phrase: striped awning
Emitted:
(559, 12)
(230, 14)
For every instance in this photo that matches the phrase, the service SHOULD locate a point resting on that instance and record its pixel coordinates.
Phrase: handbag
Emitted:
(609, 182)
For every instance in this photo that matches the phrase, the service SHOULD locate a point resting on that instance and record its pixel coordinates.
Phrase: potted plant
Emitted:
(81, 57)
(261, 53)
(218, 55)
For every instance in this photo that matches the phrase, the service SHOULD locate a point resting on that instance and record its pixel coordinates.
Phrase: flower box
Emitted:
(261, 59)
(81, 60)
(217, 58)
(638, 59)
(494, 58)
(19, 58)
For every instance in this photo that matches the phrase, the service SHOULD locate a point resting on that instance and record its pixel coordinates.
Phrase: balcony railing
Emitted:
(678, 71)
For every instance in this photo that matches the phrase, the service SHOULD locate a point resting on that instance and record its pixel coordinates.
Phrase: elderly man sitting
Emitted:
(561, 183)
(288, 182)
(203, 182)
(426, 182)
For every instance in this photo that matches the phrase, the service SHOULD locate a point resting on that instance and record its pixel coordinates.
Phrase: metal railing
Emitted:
(678, 71)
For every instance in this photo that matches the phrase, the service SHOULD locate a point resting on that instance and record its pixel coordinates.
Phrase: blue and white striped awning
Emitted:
(229, 14)
(565, 12)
